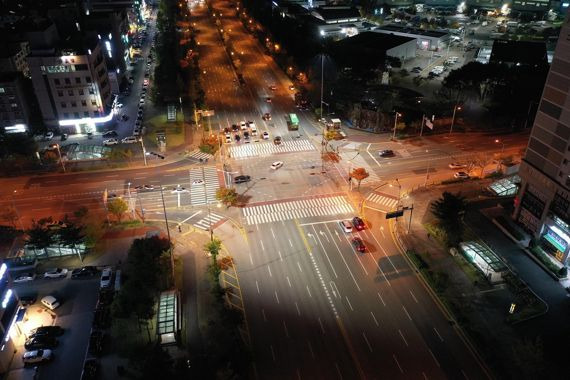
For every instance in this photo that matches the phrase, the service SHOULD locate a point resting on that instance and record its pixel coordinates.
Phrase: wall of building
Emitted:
(14, 103)
(404, 52)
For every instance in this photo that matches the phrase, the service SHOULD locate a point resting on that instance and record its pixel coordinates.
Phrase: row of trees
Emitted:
(44, 233)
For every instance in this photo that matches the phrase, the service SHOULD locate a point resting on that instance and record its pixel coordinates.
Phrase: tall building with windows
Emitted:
(10, 313)
(543, 203)
(71, 83)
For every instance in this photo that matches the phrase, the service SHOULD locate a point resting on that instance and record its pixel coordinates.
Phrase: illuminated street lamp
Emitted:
(396, 124)
(456, 108)
(56, 147)
(500, 160)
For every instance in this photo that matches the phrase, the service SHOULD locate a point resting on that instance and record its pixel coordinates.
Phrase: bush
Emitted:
(563, 272)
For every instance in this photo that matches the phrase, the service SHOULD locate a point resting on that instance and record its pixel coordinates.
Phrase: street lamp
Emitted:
(56, 146)
(322, 81)
(500, 160)
(427, 170)
(456, 108)
(396, 124)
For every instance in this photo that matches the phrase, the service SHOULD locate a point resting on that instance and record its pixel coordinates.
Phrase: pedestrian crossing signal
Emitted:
(394, 214)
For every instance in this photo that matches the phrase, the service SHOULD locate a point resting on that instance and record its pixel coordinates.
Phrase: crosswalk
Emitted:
(350, 160)
(267, 148)
(289, 210)
(208, 221)
(205, 193)
(383, 200)
(197, 155)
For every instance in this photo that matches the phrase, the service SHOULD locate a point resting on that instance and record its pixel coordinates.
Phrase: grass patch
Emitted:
(436, 232)
(507, 225)
(126, 224)
(128, 337)
(175, 135)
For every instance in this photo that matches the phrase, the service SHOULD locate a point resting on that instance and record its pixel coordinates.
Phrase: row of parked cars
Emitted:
(347, 226)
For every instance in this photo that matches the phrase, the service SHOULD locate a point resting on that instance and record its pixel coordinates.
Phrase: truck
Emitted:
(292, 121)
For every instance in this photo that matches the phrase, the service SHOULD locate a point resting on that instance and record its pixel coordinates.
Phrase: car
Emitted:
(265, 135)
(110, 142)
(237, 137)
(143, 95)
(266, 116)
(141, 101)
(235, 127)
(461, 175)
(246, 135)
(179, 189)
(291, 88)
(37, 357)
(243, 125)
(358, 244)
(358, 223)
(124, 118)
(198, 182)
(27, 300)
(48, 136)
(386, 153)
(277, 140)
(457, 165)
(129, 140)
(85, 271)
(106, 275)
(50, 302)
(345, 226)
(40, 342)
(96, 341)
(64, 136)
(145, 82)
(111, 133)
(144, 187)
(55, 273)
(276, 165)
(25, 277)
(227, 130)
(228, 138)
(137, 131)
(242, 179)
(52, 331)
(268, 100)
(119, 105)
(273, 88)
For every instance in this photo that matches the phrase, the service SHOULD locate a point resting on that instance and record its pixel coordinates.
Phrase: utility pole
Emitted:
(322, 80)
(168, 233)
(395, 125)
(423, 122)
(455, 109)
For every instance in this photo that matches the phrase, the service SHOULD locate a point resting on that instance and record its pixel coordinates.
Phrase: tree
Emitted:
(117, 207)
(359, 174)
(39, 236)
(227, 196)
(449, 211)
(70, 234)
(213, 247)
(10, 215)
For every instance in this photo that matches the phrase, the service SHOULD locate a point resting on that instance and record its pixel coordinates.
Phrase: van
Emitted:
(50, 302)
(253, 128)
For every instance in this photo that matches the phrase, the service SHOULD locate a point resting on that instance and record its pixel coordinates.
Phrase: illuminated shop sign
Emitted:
(557, 238)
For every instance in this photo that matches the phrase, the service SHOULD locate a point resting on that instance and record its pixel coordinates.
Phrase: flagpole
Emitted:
(423, 122)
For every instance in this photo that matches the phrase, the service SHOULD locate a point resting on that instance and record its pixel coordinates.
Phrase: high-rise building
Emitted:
(543, 203)
(14, 103)
(10, 313)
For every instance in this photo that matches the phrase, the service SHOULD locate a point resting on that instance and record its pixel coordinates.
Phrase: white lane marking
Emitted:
(276, 297)
(396, 360)
(402, 335)
(334, 289)
(345, 263)
(382, 232)
(373, 317)
(280, 257)
(290, 243)
(257, 285)
(372, 156)
(263, 313)
(381, 299)
(338, 371)
(272, 233)
(262, 246)
(425, 376)
(289, 281)
(437, 332)
(269, 269)
(434, 359)
(299, 265)
(250, 258)
(322, 327)
(298, 311)
(322, 233)
(272, 352)
(308, 291)
(406, 311)
(367, 342)
(326, 254)
(464, 375)
(349, 304)
(311, 349)
(414, 297)
(286, 330)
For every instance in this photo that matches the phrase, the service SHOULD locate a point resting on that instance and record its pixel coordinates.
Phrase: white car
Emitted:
(25, 277)
(243, 125)
(141, 101)
(456, 165)
(179, 189)
(55, 273)
(345, 226)
(129, 140)
(110, 142)
(461, 175)
(119, 105)
(228, 138)
(48, 136)
(265, 135)
(50, 302)
(198, 182)
(106, 275)
(37, 356)
(276, 165)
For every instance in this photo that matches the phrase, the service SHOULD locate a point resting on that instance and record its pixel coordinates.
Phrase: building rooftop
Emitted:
(519, 52)
(336, 13)
(411, 30)
(376, 41)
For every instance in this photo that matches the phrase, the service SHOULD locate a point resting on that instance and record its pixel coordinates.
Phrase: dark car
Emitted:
(277, 140)
(227, 130)
(386, 153)
(64, 136)
(266, 116)
(358, 244)
(40, 342)
(110, 134)
(28, 300)
(237, 137)
(358, 223)
(235, 127)
(246, 135)
(242, 179)
(86, 271)
(50, 331)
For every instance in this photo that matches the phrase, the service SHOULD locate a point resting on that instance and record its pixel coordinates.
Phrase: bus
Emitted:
(292, 121)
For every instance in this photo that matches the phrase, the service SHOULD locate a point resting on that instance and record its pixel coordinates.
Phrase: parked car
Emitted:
(345, 226)
(50, 302)
(129, 140)
(52, 331)
(48, 136)
(243, 125)
(179, 189)
(228, 138)
(40, 342)
(276, 165)
(106, 275)
(266, 116)
(25, 277)
(96, 341)
(37, 357)
(85, 271)
(110, 142)
(111, 133)
(246, 135)
(235, 127)
(386, 153)
(358, 223)
(461, 175)
(456, 165)
(358, 244)
(27, 300)
(55, 273)
(242, 179)
(265, 135)
(144, 187)
(64, 136)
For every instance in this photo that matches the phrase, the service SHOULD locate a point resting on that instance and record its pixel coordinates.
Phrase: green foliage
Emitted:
(449, 210)
(117, 207)
(70, 234)
(39, 236)
(206, 148)
(18, 145)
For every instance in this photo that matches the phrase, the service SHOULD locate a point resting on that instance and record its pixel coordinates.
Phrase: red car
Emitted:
(358, 244)
(358, 223)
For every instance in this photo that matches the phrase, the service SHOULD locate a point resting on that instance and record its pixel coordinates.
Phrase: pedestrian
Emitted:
(179, 228)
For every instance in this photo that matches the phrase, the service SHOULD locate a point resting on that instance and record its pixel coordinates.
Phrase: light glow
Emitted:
(6, 299)
(108, 46)
(86, 120)
(3, 270)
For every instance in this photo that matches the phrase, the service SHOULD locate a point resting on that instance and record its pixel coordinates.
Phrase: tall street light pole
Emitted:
(322, 81)
(56, 146)
(427, 170)
(500, 160)
(455, 109)
(395, 125)
(16, 210)
(167, 232)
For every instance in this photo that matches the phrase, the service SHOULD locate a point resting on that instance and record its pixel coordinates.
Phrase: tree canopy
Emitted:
(449, 211)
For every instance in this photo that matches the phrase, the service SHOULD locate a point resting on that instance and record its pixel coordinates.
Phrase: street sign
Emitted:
(394, 214)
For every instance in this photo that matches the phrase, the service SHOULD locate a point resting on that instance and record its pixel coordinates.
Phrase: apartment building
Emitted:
(14, 103)
(10, 313)
(543, 203)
